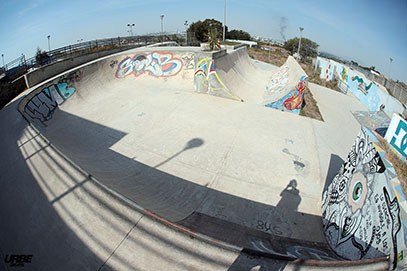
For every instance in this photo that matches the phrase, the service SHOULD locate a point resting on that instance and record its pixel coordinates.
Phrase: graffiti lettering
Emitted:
(267, 227)
(399, 140)
(292, 101)
(188, 62)
(41, 106)
(157, 64)
(207, 80)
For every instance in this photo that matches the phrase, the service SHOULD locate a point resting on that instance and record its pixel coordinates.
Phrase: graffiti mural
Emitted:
(292, 101)
(396, 135)
(41, 107)
(361, 214)
(188, 62)
(277, 83)
(362, 85)
(344, 74)
(159, 64)
(207, 80)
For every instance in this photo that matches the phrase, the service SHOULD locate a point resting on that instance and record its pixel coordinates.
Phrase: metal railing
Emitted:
(21, 65)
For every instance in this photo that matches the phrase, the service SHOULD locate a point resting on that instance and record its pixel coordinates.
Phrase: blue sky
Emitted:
(369, 32)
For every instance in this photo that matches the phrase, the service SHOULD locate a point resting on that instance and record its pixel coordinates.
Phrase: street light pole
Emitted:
(224, 20)
(2, 56)
(49, 46)
(131, 28)
(299, 42)
(186, 32)
(162, 33)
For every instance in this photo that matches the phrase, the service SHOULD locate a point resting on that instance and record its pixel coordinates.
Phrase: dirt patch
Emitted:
(277, 58)
(398, 164)
(313, 76)
(309, 106)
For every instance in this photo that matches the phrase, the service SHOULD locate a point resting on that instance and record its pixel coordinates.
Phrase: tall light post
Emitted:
(49, 44)
(186, 32)
(79, 41)
(299, 42)
(162, 27)
(131, 28)
(2, 56)
(224, 20)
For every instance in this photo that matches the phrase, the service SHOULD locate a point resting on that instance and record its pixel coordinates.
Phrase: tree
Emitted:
(213, 40)
(202, 29)
(309, 48)
(238, 35)
(41, 57)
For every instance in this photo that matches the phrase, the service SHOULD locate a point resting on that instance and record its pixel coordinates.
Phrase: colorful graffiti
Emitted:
(372, 120)
(207, 80)
(159, 64)
(292, 101)
(369, 93)
(361, 214)
(362, 85)
(396, 135)
(344, 74)
(41, 107)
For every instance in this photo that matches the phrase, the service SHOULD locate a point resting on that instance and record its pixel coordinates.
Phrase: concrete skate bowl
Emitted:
(134, 123)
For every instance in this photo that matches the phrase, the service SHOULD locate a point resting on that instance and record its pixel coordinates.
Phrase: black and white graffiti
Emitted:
(361, 215)
(188, 62)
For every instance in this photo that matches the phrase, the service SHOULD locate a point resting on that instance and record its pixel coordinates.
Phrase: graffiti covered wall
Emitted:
(158, 64)
(362, 212)
(206, 79)
(291, 102)
(40, 105)
(368, 92)
(396, 135)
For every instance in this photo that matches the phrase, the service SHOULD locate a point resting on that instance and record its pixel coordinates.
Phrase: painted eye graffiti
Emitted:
(357, 191)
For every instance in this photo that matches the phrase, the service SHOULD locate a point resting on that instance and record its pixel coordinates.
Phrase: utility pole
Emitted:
(2, 56)
(299, 43)
(162, 28)
(224, 20)
(49, 44)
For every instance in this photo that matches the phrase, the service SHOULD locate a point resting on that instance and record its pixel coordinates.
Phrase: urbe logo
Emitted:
(17, 260)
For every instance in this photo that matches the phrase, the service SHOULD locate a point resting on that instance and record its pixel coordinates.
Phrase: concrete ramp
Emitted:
(233, 75)
(364, 207)
(214, 168)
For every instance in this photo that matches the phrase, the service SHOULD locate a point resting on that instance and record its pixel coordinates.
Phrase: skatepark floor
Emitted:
(242, 157)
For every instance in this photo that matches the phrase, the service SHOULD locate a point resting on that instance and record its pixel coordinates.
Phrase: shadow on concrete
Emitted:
(288, 204)
(29, 222)
(193, 143)
(335, 164)
(89, 145)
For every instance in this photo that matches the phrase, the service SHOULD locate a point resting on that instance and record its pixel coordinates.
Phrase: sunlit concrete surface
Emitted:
(53, 211)
(174, 152)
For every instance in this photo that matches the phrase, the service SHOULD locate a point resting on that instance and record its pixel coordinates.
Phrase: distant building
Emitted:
(274, 48)
(247, 42)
